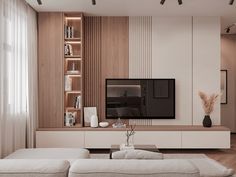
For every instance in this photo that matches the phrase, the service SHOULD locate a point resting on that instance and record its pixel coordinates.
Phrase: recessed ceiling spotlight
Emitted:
(39, 2)
(162, 2)
(180, 2)
(231, 2)
(94, 2)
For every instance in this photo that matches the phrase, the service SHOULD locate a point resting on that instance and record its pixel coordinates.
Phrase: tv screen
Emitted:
(140, 98)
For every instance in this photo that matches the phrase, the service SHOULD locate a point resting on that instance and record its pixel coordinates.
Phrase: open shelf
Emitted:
(73, 70)
(72, 39)
(72, 56)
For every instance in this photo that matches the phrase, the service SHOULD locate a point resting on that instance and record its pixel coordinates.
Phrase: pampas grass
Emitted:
(208, 102)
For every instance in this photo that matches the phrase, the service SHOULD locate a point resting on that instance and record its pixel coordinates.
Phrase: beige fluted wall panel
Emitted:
(140, 47)
(140, 53)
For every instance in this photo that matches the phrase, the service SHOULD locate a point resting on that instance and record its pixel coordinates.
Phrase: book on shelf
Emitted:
(69, 32)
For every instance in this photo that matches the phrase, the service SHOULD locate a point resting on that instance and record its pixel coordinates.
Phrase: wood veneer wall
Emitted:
(106, 56)
(50, 69)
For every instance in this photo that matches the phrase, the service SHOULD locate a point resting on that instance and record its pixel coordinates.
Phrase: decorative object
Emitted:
(119, 124)
(223, 86)
(70, 118)
(68, 83)
(208, 106)
(88, 112)
(104, 124)
(94, 121)
(78, 102)
(123, 147)
(129, 133)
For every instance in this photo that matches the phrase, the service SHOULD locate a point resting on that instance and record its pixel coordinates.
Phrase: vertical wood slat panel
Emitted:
(140, 53)
(106, 56)
(92, 63)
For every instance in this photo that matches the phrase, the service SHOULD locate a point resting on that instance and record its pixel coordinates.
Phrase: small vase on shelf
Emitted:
(207, 121)
(208, 107)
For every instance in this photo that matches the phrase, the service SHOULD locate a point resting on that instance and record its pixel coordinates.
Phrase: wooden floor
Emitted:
(225, 157)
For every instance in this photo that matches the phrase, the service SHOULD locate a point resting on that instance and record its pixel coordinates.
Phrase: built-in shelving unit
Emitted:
(73, 69)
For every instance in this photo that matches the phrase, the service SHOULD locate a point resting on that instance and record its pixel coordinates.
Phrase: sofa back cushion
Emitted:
(50, 153)
(128, 168)
(33, 168)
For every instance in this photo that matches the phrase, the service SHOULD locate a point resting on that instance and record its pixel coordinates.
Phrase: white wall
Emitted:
(187, 49)
(228, 62)
(206, 64)
(171, 58)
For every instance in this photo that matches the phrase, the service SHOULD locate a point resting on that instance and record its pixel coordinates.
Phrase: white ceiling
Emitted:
(144, 8)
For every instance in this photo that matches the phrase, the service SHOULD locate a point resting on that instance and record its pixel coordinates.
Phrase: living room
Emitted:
(117, 88)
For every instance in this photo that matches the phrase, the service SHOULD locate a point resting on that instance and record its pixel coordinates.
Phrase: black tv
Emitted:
(140, 98)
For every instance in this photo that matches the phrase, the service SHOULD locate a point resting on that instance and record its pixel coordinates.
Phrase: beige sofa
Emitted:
(74, 164)
(134, 168)
(33, 168)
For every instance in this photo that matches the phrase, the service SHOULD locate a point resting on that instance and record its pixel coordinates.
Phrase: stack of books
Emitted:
(69, 32)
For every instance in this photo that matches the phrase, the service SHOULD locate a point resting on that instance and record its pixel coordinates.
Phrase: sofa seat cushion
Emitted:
(128, 168)
(136, 154)
(50, 153)
(33, 168)
(211, 168)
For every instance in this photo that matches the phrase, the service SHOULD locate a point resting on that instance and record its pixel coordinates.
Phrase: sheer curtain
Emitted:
(18, 56)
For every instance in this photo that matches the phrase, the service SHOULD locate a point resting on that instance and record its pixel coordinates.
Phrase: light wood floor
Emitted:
(225, 157)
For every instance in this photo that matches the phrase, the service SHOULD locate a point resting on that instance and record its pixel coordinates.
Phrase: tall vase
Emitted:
(207, 121)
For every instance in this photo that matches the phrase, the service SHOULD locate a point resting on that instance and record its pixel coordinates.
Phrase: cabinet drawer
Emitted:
(206, 139)
(59, 139)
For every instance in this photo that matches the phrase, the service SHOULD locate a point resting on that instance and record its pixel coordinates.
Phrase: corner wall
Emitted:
(228, 62)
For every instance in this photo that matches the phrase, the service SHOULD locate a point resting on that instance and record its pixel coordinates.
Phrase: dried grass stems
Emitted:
(208, 101)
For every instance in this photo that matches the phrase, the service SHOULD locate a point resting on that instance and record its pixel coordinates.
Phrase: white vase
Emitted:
(94, 121)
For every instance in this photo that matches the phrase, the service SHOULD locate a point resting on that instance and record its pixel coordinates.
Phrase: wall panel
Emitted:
(140, 53)
(140, 47)
(206, 64)
(92, 63)
(106, 56)
(172, 58)
(115, 51)
(50, 69)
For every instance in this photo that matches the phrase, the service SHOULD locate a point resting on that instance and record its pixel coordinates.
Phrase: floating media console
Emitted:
(164, 137)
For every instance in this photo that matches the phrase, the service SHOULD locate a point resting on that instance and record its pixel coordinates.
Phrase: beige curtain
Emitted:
(18, 57)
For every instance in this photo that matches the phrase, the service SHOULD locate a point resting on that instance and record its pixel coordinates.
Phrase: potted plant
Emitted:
(208, 107)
